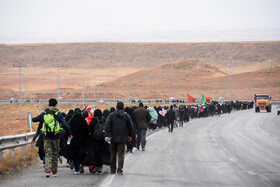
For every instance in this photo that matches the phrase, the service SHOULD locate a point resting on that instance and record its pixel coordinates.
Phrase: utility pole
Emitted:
(105, 96)
(229, 82)
(161, 83)
(97, 96)
(193, 81)
(20, 96)
(58, 84)
(270, 78)
(128, 88)
(145, 83)
(117, 84)
(88, 86)
(253, 69)
(173, 81)
(199, 82)
(277, 81)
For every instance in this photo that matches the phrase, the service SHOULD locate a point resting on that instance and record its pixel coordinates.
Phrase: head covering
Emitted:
(98, 113)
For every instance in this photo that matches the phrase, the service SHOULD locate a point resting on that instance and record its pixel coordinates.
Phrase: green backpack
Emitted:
(51, 125)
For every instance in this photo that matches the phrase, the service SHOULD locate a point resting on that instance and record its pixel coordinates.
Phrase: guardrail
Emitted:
(13, 141)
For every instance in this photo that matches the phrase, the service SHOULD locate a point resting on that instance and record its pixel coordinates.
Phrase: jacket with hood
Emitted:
(60, 119)
(142, 117)
(118, 126)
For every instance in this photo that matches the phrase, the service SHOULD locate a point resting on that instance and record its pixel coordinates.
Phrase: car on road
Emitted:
(278, 110)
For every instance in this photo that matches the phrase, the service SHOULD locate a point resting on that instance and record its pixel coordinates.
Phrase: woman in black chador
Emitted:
(99, 151)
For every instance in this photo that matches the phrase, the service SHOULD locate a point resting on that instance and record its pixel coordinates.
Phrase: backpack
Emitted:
(99, 130)
(50, 125)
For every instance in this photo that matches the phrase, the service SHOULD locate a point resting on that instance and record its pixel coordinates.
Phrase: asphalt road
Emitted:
(237, 149)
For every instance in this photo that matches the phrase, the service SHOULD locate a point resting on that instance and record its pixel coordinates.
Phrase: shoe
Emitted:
(113, 172)
(71, 165)
(143, 149)
(120, 172)
(95, 170)
(131, 151)
(67, 165)
(90, 168)
(127, 150)
(60, 160)
(54, 174)
(47, 174)
(100, 173)
(76, 173)
(82, 169)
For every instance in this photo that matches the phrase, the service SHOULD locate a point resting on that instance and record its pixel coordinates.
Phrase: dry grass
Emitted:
(11, 164)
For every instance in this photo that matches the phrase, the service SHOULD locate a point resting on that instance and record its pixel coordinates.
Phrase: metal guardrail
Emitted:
(13, 141)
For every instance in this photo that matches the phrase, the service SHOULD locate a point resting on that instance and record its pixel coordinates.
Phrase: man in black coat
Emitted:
(142, 118)
(170, 115)
(119, 129)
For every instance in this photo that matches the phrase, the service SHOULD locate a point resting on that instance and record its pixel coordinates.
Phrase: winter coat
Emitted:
(99, 151)
(118, 126)
(142, 117)
(79, 142)
(170, 115)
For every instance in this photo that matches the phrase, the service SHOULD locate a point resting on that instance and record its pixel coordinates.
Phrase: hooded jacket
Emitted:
(142, 117)
(60, 119)
(118, 126)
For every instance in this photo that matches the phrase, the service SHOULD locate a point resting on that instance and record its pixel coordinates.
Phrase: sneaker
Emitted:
(47, 174)
(95, 170)
(82, 169)
(100, 173)
(131, 151)
(120, 172)
(67, 165)
(143, 149)
(54, 174)
(76, 173)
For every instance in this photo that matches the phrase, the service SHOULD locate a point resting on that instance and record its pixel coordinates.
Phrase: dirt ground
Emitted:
(131, 70)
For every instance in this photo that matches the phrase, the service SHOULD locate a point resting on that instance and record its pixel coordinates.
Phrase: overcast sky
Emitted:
(33, 21)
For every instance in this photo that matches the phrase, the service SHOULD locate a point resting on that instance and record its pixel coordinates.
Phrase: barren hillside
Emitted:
(139, 55)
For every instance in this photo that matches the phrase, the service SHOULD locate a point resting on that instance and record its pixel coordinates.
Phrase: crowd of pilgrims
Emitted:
(85, 150)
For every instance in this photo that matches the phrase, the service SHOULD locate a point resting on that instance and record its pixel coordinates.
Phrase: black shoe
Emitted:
(71, 165)
(120, 172)
(113, 172)
(131, 151)
(82, 169)
(143, 149)
(127, 150)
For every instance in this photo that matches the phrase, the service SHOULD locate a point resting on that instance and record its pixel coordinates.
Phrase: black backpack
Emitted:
(99, 130)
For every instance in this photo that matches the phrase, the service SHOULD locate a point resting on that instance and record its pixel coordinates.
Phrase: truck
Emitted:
(262, 102)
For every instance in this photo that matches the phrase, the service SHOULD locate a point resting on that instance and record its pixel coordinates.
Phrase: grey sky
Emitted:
(32, 21)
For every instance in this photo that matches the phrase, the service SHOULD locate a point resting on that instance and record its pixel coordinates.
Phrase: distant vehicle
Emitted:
(221, 98)
(12, 100)
(101, 101)
(278, 110)
(262, 102)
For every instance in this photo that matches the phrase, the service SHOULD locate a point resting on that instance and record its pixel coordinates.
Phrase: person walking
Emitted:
(170, 115)
(99, 151)
(142, 118)
(118, 129)
(79, 144)
(51, 129)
